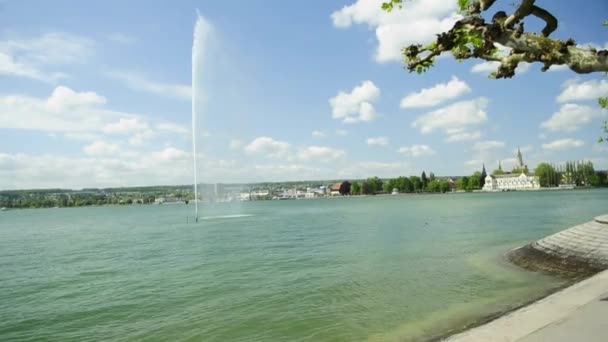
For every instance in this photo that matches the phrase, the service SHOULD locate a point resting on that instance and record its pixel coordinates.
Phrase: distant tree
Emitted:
(355, 189)
(463, 183)
(416, 184)
(498, 172)
(404, 185)
(424, 181)
(444, 186)
(345, 188)
(546, 174)
(375, 184)
(366, 188)
(390, 185)
(482, 176)
(431, 176)
(433, 186)
(474, 183)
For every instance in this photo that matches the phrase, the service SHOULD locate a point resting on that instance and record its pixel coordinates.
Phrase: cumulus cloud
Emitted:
(454, 119)
(563, 144)
(141, 83)
(77, 115)
(173, 128)
(64, 98)
(429, 97)
(417, 23)
(268, 147)
(489, 67)
(320, 153)
(341, 132)
(356, 105)
(318, 134)
(32, 57)
(581, 91)
(571, 117)
(457, 135)
(235, 144)
(377, 141)
(101, 148)
(417, 150)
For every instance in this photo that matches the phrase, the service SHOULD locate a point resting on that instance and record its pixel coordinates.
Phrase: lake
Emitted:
(388, 268)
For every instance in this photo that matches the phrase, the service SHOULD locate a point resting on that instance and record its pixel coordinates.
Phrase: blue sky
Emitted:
(99, 94)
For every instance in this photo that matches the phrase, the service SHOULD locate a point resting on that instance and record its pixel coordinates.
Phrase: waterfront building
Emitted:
(509, 181)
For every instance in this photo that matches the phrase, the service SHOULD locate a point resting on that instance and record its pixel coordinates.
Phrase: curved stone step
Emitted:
(578, 251)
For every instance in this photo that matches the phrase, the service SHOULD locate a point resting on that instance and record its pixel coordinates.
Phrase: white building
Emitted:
(511, 182)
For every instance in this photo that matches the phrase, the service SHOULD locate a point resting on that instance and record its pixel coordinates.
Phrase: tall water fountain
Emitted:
(202, 30)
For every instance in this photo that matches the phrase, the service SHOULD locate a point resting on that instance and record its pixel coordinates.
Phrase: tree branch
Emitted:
(526, 47)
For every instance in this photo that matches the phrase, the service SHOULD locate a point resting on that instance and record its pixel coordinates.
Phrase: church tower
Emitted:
(520, 160)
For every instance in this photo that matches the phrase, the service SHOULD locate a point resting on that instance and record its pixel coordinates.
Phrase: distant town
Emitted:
(569, 175)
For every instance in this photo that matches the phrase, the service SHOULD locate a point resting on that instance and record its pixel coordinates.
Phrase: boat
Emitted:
(3, 209)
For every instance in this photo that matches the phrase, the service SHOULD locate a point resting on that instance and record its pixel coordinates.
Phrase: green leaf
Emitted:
(464, 6)
(603, 102)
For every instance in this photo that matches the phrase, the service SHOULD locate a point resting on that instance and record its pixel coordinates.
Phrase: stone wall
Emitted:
(576, 252)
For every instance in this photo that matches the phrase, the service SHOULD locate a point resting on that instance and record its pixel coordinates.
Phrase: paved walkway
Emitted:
(577, 313)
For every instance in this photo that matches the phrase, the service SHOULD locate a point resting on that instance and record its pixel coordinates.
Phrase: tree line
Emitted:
(413, 184)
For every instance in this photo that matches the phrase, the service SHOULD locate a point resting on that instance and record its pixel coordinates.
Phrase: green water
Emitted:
(384, 268)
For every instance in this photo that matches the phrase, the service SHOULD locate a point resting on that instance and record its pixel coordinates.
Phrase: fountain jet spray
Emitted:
(202, 30)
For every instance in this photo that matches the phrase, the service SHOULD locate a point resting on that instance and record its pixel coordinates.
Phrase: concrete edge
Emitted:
(525, 321)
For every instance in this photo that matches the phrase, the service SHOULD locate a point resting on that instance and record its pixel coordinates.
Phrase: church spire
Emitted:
(520, 159)
(499, 166)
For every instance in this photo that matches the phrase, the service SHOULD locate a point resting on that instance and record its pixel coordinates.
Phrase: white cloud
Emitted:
(268, 147)
(141, 83)
(377, 141)
(78, 116)
(341, 132)
(555, 68)
(593, 46)
(589, 90)
(455, 118)
(437, 94)
(563, 144)
(571, 117)
(100, 169)
(318, 134)
(64, 111)
(320, 153)
(126, 126)
(491, 66)
(173, 128)
(101, 148)
(356, 106)
(64, 98)
(81, 136)
(488, 145)
(10, 67)
(235, 144)
(31, 57)
(417, 150)
(417, 23)
(457, 135)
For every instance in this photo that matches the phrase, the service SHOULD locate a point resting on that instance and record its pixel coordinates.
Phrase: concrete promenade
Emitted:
(577, 313)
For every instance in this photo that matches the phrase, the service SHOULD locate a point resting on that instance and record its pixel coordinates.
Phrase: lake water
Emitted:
(349, 269)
